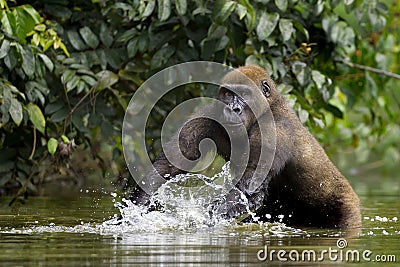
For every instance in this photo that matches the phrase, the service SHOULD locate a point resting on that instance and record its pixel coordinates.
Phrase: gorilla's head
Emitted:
(247, 92)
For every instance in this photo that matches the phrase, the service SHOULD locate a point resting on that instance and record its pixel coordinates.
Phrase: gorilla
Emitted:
(302, 183)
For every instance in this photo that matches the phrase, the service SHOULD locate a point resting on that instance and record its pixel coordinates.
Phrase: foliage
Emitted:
(68, 68)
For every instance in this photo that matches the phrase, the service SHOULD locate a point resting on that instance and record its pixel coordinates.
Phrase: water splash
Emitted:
(190, 201)
(187, 202)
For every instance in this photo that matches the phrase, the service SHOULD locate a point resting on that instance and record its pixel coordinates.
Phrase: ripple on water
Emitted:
(188, 202)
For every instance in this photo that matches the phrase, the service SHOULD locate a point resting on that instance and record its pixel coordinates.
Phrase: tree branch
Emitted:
(370, 69)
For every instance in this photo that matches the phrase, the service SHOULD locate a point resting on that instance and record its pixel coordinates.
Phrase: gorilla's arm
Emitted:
(281, 157)
(192, 133)
(190, 136)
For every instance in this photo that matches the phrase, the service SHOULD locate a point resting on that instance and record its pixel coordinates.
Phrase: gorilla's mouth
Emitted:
(234, 124)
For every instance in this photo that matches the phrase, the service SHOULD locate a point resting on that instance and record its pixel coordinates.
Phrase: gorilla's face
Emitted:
(244, 102)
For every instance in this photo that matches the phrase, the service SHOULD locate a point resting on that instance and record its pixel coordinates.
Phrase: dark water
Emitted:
(69, 231)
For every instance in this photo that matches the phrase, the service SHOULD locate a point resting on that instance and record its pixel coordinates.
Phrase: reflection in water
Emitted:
(59, 232)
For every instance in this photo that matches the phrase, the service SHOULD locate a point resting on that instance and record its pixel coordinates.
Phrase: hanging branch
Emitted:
(34, 144)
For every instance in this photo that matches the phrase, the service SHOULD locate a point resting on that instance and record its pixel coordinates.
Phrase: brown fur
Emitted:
(307, 185)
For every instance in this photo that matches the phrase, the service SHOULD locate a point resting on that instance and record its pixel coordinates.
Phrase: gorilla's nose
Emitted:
(237, 110)
(231, 115)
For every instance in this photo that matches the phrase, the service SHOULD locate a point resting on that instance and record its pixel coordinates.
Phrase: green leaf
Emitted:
(89, 37)
(162, 56)
(149, 9)
(127, 35)
(223, 9)
(28, 61)
(24, 24)
(5, 47)
(11, 59)
(47, 61)
(159, 40)
(16, 111)
(376, 20)
(106, 79)
(82, 86)
(71, 84)
(241, 11)
(76, 40)
(40, 28)
(5, 104)
(284, 89)
(334, 110)
(59, 11)
(106, 35)
(303, 115)
(67, 75)
(266, 25)
(52, 145)
(282, 4)
(250, 15)
(164, 9)
(202, 10)
(12, 89)
(339, 33)
(216, 32)
(318, 78)
(132, 47)
(89, 80)
(8, 24)
(299, 70)
(222, 43)
(47, 45)
(64, 49)
(120, 99)
(33, 13)
(143, 43)
(286, 28)
(53, 107)
(36, 117)
(65, 139)
(114, 57)
(36, 39)
(181, 7)
(59, 115)
(300, 28)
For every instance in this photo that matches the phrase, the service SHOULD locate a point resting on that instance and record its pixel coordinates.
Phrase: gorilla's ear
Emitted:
(266, 88)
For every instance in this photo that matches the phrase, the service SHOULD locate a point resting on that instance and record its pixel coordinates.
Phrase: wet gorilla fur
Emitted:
(302, 184)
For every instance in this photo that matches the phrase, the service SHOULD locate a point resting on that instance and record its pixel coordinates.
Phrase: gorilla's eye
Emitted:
(228, 94)
(266, 88)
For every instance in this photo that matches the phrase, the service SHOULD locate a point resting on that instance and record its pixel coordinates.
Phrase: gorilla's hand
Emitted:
(237, 204)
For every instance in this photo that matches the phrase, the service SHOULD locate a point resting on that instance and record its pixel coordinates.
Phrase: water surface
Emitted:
(54, 231)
